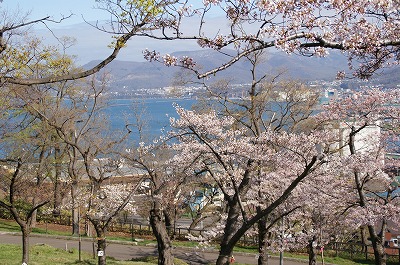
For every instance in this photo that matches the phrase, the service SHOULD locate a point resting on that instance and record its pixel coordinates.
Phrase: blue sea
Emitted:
(155, 112)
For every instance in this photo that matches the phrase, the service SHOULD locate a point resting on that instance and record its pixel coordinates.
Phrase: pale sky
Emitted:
(91, 44)
(57, 8)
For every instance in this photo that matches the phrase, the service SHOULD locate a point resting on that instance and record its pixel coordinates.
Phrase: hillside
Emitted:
(131, 76)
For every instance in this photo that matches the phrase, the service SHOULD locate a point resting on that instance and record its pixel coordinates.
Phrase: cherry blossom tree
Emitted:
(348, 152)
(367, 125)
(105, 202)
(163, 187)
(240, 164)
(269, 103)
(320, 220)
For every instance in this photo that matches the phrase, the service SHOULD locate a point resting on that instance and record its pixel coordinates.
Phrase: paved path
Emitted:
(128, 251)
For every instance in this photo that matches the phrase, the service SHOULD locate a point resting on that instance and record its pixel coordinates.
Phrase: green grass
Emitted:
(43, 254)
(10, 226)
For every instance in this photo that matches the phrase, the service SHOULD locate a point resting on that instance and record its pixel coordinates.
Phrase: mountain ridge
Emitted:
(131, 75)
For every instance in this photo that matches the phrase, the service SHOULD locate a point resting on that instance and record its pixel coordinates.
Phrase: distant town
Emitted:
(329, 89)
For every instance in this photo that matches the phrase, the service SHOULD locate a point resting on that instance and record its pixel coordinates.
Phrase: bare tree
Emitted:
(93, 155)
(26, 156)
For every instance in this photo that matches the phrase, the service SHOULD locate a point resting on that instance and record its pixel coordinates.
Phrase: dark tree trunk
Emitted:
(57, 191)
(75, 209)
(25, 244)
(377, 245)
(225, 255)
(57, 197)
(262, 242)
(101, 247)
(227, 244)
(101, 241)
(169, 222)
(164, 245)
(34, 215)
(363, 238)
(312, 255)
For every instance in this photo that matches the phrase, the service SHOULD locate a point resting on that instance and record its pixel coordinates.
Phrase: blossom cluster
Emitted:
(169, 60)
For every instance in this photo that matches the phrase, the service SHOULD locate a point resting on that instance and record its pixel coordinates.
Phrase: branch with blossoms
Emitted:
(110, 200)
(366, 31)
(169, 60)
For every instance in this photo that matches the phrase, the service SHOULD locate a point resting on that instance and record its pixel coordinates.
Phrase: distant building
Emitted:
(367, 140)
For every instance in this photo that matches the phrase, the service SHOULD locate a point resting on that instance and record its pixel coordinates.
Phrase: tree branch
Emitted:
(121, 41)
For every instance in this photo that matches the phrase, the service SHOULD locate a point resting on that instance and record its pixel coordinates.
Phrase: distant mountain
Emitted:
(130, 76)
(389, 77)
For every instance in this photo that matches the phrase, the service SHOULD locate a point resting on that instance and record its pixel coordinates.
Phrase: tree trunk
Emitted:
(32, 222)
(25, 245)
(363, 238)
(231, 228)
(376, 240)
(164, 245)
(225, 255)
(75, 209)
(262, 242)
(377, 245)
(101, 246)
(226, 245)
(57, 197)
(34, 217)
(57, 191)
(312, 256)
(169, 223)
(101, 241)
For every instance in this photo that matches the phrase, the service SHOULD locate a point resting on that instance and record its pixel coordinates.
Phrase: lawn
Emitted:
(44, 254)
(12, 226)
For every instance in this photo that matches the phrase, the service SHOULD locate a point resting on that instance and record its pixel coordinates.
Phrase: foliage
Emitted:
(127, 20)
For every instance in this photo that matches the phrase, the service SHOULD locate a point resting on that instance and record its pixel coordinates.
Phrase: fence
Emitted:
(353, 250)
